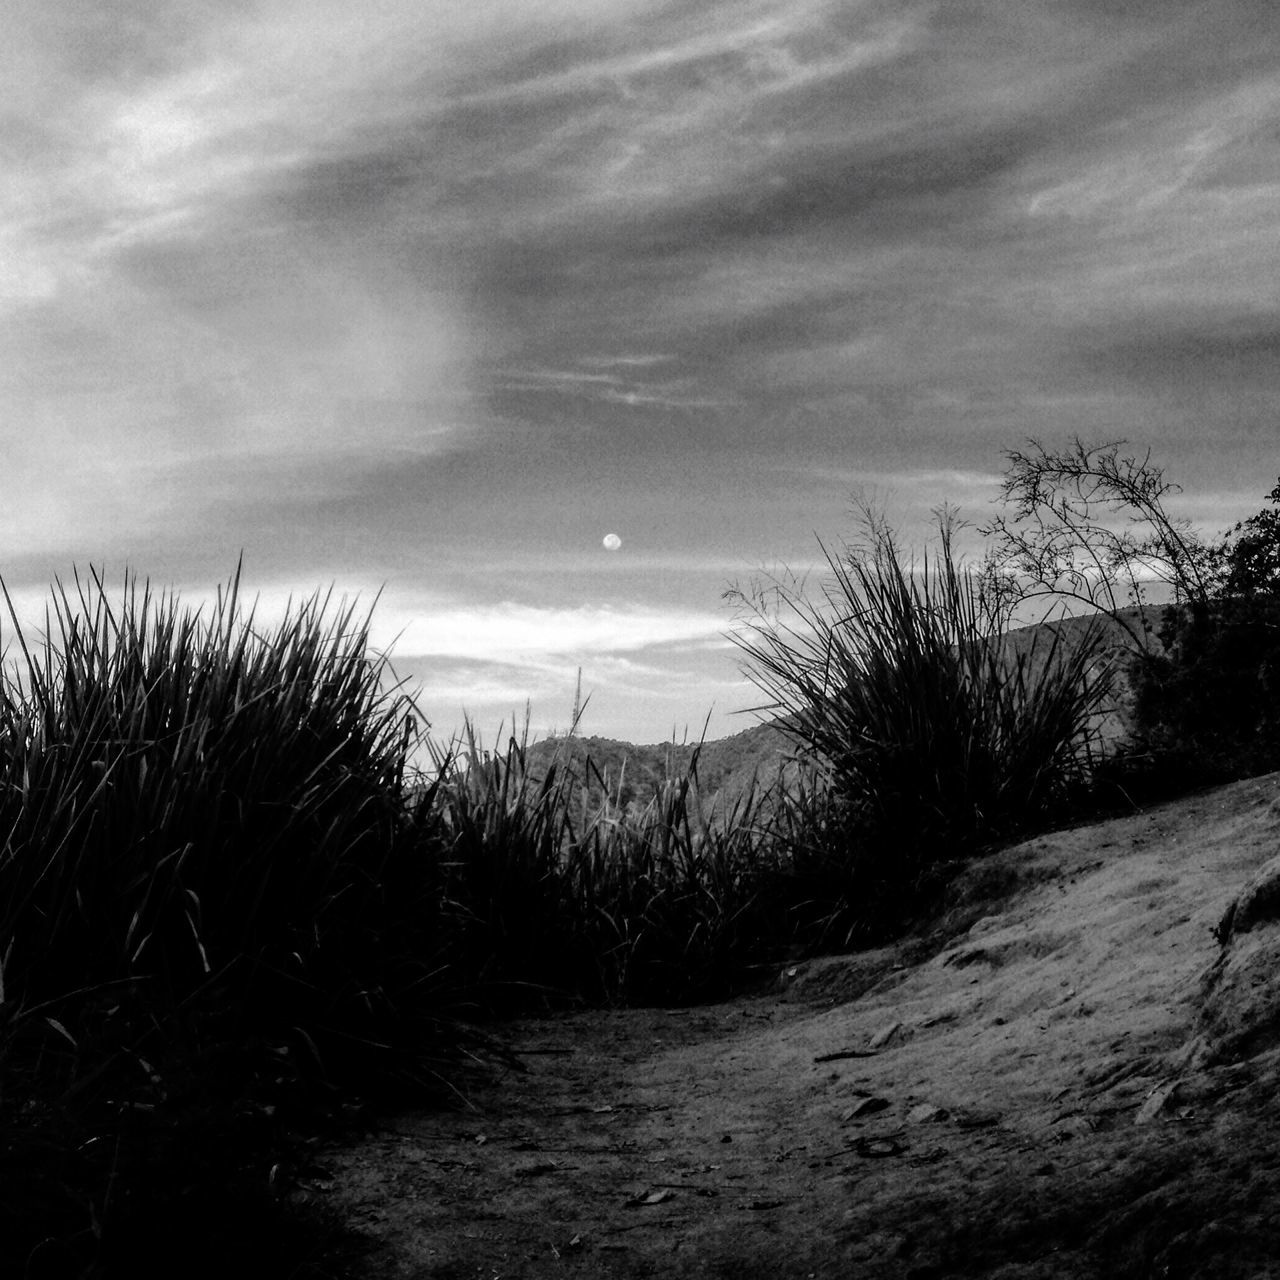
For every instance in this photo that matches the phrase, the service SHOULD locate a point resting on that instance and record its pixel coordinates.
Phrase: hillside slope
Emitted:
(1070, 1076)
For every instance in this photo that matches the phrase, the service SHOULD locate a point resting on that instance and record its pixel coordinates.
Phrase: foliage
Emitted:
(1253, 558)
(934, 737)
(1207, 706)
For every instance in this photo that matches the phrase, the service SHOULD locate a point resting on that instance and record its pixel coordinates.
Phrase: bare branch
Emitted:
(1089, 524)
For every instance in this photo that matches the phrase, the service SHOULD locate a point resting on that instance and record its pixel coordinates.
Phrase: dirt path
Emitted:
(1036, 1099)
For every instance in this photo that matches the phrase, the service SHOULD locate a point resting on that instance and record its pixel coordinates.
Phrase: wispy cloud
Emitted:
(949, 480)
(612, 387)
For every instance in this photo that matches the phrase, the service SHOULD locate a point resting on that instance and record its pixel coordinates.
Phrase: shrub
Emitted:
(1207, 707)
(1253, 558)
(934, 735)
(1207, 697)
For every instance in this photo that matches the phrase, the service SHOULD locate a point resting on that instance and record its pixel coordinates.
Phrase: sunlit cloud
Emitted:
(507, 629)
(661, 702)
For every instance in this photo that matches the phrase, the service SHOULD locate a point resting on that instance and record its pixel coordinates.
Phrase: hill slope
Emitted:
(1070, 1076)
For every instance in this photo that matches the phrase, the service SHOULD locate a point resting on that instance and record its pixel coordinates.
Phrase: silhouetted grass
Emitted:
(554, 891)
(213, 895)
(935, 736)
(201, 815)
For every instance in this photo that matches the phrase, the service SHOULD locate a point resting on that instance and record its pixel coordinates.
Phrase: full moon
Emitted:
(612, 542)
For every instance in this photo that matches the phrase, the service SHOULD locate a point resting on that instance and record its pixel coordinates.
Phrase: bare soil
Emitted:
(1074, 1077)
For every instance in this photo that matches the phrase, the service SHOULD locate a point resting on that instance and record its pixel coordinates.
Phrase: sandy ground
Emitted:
(1082, 1081)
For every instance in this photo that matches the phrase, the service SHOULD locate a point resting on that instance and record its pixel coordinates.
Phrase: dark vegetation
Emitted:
(1091, 524)
(931, 737)
(232, 914)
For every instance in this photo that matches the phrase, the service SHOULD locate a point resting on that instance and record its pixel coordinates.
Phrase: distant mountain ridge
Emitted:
(728, 765)
(631, 771)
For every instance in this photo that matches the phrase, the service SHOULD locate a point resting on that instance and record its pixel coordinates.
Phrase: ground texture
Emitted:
(1077, 1076)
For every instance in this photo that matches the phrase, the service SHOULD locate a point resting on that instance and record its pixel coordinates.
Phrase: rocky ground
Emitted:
(1076, 1076)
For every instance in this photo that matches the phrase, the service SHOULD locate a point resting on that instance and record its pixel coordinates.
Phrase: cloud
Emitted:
(922, 484)
(1180, 350)
(903, 237)
(510, 629)
(654, 704)
(659, 667)
(630, 382)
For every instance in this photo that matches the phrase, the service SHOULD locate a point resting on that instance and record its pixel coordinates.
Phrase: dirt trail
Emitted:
(1045, 1096)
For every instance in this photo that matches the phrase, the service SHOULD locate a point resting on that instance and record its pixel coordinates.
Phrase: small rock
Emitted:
(878, 1148)
(1257, 903)
(882, 1038)
(865, 1107)
(976, 1119)
(647, 1198)
(944, 1015)
(1159, 1100)
(926, 1113)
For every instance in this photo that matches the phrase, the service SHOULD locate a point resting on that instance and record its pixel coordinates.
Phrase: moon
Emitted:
(612, 542)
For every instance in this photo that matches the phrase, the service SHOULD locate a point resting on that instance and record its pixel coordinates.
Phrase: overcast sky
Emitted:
(430, 295)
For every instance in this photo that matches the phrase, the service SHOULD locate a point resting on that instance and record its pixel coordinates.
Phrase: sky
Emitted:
(425, 297)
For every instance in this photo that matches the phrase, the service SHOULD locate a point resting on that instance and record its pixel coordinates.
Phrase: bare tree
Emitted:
(1089, 524)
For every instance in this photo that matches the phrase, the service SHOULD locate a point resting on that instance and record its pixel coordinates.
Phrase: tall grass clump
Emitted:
(556, 889)
(212, 891)
(932, 734)
(503, 835)
(194, 806)
(674, 892)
